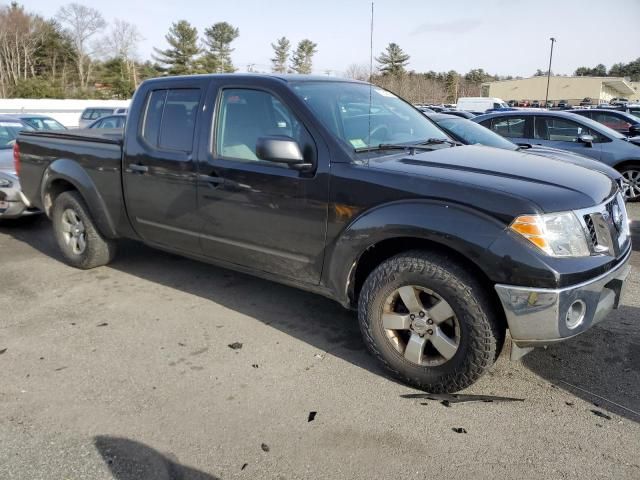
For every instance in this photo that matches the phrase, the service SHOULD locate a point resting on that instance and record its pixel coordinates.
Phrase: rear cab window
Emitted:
(170, 118)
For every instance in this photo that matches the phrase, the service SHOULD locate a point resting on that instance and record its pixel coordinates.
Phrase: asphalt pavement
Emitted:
(127, 372)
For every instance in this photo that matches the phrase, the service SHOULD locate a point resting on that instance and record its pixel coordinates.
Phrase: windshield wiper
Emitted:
(426, 145)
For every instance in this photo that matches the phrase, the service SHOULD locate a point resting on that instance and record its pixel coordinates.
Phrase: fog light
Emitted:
(575, 314)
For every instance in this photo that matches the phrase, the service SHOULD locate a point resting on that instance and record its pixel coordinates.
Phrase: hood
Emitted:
(574, 158)
(552, 185)
(6, 160)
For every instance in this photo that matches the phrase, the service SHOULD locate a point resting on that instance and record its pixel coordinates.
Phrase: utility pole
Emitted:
(546, 98)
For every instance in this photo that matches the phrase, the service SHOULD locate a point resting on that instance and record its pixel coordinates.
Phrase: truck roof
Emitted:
(290, 77)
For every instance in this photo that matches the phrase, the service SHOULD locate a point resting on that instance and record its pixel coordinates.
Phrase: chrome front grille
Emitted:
(606, 226)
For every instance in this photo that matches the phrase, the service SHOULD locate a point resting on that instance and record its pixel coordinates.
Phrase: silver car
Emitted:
(13, 204)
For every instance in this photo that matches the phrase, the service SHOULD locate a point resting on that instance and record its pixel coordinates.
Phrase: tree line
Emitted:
(76, 54)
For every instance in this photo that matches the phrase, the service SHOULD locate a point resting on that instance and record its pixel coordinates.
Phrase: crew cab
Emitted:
(342, 188)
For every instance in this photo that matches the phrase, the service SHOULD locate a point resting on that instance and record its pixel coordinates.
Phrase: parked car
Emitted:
(535, 104)
(586, 101)
(621, 122)
(110, 121)
(523, 103)
(440, 247)
(512, 103)
(40, 122)
(549, 104)
(472, 133)
(618, 101)
(564, 104)
(12, 202)
(481, 104)
(575, 133)
(460, 113)
(91, 114)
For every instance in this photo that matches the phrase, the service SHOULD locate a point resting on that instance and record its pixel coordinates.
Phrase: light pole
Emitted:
(546, 98)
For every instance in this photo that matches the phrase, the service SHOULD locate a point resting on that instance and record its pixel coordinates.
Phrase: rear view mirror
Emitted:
(586, 139)
(280, 149)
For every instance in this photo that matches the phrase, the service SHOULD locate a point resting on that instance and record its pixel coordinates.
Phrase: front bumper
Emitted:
(538, 316)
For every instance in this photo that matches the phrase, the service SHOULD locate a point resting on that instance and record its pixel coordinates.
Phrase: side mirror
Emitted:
(586, 139)
(634, 130)
(280, 149)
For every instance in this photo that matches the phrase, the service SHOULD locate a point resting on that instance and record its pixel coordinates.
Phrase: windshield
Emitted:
(42, 123)
(472, 133)
(8, 133)
(343, 108)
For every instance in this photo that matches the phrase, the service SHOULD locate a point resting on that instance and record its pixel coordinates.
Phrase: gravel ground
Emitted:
(124, 372)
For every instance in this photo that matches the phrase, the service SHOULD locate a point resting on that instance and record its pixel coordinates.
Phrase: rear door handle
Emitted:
(136, 167)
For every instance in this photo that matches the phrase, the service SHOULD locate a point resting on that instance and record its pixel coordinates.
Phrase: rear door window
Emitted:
(510, 127)
(86, 115)
(170, 118)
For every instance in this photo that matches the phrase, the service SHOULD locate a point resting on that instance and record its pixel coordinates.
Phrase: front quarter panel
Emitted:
(460, 228)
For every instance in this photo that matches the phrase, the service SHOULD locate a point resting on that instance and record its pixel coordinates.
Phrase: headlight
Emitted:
(557, 234)
(5, 183)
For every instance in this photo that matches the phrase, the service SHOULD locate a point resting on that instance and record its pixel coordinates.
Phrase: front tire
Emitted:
(82, 245)
(429, 322)
(631, 178)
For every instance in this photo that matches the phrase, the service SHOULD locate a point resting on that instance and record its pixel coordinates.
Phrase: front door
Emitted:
(159, 168)
(564, 134)
(258, 214)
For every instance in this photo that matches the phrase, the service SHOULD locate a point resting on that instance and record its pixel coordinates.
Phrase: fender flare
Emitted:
(72, 172)
(465, 230)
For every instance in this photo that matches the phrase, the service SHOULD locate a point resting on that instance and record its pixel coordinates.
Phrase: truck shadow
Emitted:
(601, 366)
(604, 362)
(131, 460)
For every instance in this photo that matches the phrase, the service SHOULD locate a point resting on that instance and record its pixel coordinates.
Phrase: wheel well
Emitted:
(378, 253)
(620, 166)
(54, 189)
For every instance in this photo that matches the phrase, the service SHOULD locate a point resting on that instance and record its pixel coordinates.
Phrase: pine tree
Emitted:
(217, 41)
(302, 60)
(393, 61)
(281, 55)
(180, 59)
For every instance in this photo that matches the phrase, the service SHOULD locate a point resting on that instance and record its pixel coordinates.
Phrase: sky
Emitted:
(505, 37)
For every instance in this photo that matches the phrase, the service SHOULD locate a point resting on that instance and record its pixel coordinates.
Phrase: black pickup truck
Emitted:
(343, 189)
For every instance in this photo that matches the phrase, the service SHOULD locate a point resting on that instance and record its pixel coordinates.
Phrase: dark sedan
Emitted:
(621, 122)
(471, 133)
(574, 133)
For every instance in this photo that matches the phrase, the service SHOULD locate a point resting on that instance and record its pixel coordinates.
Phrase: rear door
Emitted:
(563, 133)
(515, 128)
(160, 168)
(259, 214)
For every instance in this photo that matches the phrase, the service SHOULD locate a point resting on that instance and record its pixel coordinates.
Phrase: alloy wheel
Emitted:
(73, 231)
(631, 184)
(421, 325)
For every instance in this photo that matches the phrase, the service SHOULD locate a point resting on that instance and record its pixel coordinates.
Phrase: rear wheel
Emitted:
(631, 182)
(82, 245)
(429, 322)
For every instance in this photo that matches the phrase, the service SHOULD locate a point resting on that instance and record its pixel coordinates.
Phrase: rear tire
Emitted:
(455, 333)
(82, 245)
(631, 177)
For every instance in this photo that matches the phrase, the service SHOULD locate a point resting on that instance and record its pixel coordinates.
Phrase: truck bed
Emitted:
(95, 154)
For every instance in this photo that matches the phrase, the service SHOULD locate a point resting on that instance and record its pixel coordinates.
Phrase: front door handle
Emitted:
(213, 180)
(136, 167)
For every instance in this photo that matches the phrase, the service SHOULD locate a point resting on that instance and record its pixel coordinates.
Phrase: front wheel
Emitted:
(429, 322)
(631, 182)
(82, 245)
